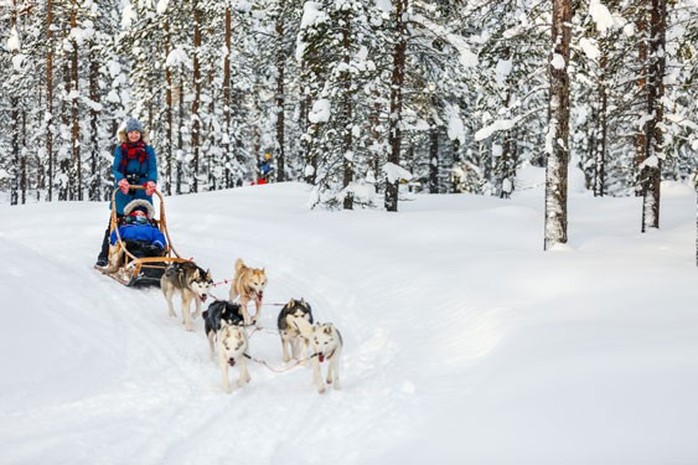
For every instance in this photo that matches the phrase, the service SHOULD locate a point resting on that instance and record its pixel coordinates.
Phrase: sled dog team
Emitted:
(225, 322)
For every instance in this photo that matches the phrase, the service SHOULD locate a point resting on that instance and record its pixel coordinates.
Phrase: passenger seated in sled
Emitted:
(139, 232)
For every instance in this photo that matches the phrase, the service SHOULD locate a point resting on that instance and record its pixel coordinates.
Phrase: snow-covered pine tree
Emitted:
(510, 94)
(276, 99)
(681, 137)
(333, 50)
(102, 102)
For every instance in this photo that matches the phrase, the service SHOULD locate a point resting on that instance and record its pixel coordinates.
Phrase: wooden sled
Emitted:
(134, 271)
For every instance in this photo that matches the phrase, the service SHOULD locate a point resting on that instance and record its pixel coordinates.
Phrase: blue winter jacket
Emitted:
(147, 171)
(140, 232)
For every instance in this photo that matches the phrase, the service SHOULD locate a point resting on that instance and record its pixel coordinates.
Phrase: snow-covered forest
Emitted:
(359, 98)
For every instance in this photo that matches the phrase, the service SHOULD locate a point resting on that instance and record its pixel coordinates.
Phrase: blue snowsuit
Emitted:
(136, 172)
(146, 233)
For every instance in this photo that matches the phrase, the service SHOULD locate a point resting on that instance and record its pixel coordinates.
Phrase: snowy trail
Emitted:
(151, 385)
(461, 335)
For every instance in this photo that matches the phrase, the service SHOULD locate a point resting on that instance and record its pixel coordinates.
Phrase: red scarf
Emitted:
(132, 151)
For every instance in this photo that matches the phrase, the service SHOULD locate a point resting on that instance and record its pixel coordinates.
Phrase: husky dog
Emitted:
(218, 313)
(232, 347)
(192, 282)
(249, 284)
(326, 344)
(289, 332)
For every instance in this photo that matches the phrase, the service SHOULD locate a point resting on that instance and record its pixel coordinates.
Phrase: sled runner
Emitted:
(130, 265)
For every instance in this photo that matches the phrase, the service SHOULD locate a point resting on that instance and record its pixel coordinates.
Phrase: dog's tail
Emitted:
(238, 265)
(302, 325)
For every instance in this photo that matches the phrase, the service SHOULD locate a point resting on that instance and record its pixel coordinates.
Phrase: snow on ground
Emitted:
(465, 342)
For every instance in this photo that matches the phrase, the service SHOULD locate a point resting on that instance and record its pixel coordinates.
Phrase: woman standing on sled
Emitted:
(135, 163)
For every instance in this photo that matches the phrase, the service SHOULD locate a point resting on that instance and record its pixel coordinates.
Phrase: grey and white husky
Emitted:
(288, 328)
(326, 346)
(192, 283)
(232, 344)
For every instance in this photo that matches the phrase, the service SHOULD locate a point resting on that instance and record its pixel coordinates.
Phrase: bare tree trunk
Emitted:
(227, 183)
(14, 105)
(308, 155)
(641, 83)
(75, 176)
(14, 189)
(49, 97)
(376, 137)
(397, 82)
(433, 158)
(601, 126)
(507, 164)
(180, 138)
(96, 186)
(210, 168)
(347, 159)
(169, 111)
(196, 102)
(23, 179)
(654, 140)
(558, 130)
(280, 102)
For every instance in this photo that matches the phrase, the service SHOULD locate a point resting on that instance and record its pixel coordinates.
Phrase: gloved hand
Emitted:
(149, 188)
(124, 186)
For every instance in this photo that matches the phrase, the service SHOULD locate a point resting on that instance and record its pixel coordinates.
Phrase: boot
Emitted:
(103, 257)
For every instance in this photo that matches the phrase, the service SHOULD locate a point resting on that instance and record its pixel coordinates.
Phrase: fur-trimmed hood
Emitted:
(133, 204)
(122, 137)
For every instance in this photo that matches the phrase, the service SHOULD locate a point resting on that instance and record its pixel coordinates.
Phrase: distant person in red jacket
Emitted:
(264, 169)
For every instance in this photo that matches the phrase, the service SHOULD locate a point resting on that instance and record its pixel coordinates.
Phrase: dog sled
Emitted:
(129, 267)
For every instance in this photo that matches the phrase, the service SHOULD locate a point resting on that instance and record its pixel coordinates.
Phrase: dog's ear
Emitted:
(327, 329)
(291, 303)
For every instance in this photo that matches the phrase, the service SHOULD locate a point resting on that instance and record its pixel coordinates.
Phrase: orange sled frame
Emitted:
(135, 271)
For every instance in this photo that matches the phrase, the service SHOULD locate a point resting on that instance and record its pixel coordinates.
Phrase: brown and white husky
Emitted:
(248, 283)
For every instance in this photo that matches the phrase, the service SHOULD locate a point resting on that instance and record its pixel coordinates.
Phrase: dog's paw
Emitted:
(321, 389)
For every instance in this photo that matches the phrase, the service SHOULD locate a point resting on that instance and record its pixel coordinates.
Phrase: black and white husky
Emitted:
(192, 283)
(218, 313)
(289, 331)
(231, 341)
(226, 334)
